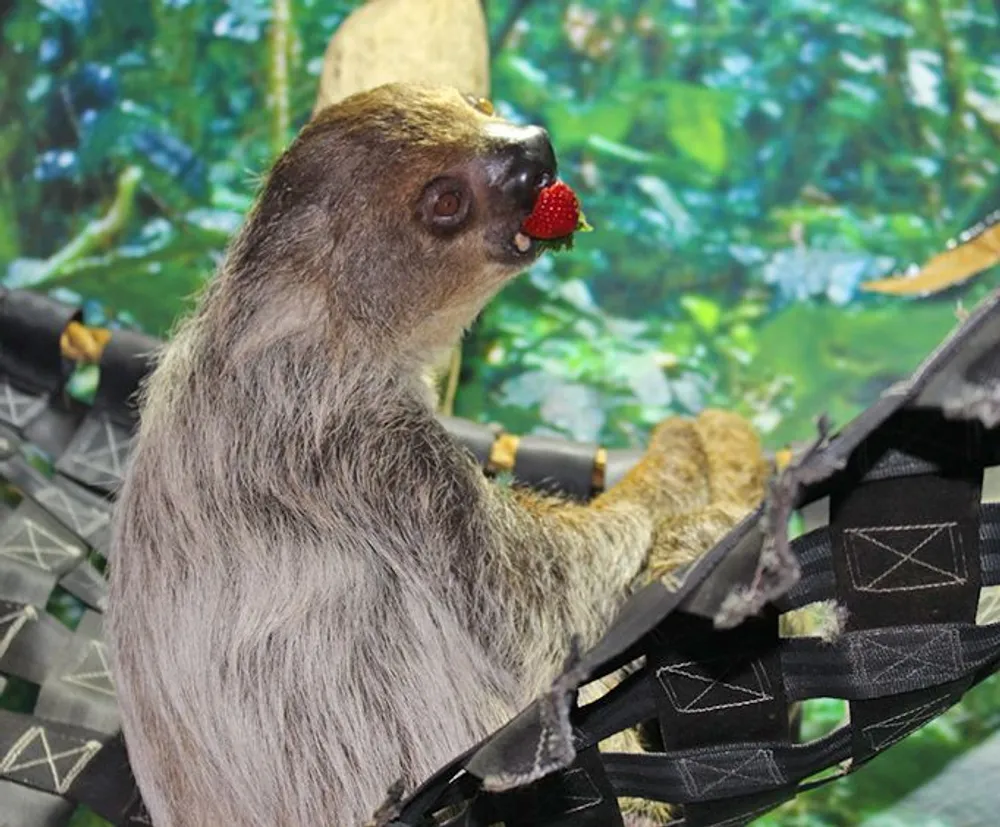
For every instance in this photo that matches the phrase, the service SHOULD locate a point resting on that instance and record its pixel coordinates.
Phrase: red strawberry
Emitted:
(556, 213)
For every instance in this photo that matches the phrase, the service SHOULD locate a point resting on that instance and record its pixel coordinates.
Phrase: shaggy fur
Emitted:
(314, 590)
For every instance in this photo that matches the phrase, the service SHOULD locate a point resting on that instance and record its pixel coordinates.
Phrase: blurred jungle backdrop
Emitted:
(748, 166)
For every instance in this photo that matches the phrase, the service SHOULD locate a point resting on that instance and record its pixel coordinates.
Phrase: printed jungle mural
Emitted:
(749, 167)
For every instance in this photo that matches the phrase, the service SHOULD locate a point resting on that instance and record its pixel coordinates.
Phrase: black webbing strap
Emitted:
(731, 776)
(477, 439)
(632, 700)
(97, 455)
(818, 582)
(82, 513)
(989, 545)
(578, 796)
(33, 371)
(126, 360)
(26, 807)
(906, 553)
(80, 765)
(556, 465)
(43, 755)
(50, 534)
(859, 665)
(735, 694)
(31, 641)
(744, 779)
(543, 463)
(31, 326)
(108, 787)
(865, 664)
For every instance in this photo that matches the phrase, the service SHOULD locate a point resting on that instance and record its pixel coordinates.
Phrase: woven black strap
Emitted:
(33, 371)
(907, 551)
(98, 452)
(735, 694)
(897, 674)
(579, 796)
(556, 466)
(31, 326)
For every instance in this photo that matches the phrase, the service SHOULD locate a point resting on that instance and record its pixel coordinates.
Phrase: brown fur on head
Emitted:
(360, 185)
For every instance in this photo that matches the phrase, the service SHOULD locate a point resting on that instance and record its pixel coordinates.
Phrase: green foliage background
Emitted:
(747, 164)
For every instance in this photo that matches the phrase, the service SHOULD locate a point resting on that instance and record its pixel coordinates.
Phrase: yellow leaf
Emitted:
(946, 269)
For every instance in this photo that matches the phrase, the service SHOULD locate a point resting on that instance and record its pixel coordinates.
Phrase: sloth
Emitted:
(315, 592)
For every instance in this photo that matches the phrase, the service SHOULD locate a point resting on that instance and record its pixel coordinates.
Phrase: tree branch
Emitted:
(517, 10)
(449, 391)
(101, 231)
(950, 64)
(281, 21)
(96, 234)
(954, 81)
(897, 99)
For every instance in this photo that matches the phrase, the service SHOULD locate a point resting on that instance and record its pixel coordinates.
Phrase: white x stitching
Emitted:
(18, 408)
(98, 679)
(62, 783)
(929, 657)
(108, 457)
(899, 726)
(872, 584)
(750, 695)
(59, 503)
(17, 619)
(691, 783)
(41, 545)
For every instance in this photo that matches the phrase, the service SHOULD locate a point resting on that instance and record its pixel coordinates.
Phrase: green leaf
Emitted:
(694, 125)
(87, 818)
(666, 201)
(154, 288)
(555, 245)
(704, 312)
(840, 359)
(572, 124)
(621, 152)
(518, 79)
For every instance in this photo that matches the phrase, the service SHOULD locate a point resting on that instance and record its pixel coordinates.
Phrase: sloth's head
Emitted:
(402, 206)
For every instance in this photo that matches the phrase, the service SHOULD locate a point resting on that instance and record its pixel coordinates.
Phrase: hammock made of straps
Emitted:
(909, 547)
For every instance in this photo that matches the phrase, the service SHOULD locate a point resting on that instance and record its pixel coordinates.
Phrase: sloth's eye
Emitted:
(480, 104)
(446, 205)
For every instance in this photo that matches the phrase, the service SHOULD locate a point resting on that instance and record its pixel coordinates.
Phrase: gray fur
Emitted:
(314, 591)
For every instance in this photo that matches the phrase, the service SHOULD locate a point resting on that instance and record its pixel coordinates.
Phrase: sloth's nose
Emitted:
(533, 166)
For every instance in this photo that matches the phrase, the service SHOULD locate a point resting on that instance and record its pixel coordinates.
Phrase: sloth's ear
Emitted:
(480, 104)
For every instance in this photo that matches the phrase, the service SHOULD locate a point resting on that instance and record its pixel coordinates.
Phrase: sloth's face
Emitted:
(440, 163)
(492, 192)
(406, 202)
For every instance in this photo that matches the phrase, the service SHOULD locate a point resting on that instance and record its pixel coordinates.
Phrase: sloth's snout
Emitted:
(529, 163)
(533, 168)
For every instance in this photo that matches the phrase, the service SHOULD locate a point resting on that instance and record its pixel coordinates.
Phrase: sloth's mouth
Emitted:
(521, 249)
(554, 219)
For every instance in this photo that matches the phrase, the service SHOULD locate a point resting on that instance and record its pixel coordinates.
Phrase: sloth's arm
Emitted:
(565, 568)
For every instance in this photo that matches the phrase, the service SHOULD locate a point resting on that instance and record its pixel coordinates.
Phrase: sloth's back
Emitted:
(279, 658)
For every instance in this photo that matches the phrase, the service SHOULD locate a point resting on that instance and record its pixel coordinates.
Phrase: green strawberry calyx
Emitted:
(565, 242)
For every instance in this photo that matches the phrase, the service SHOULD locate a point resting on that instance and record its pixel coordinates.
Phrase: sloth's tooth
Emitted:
(522, 242)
